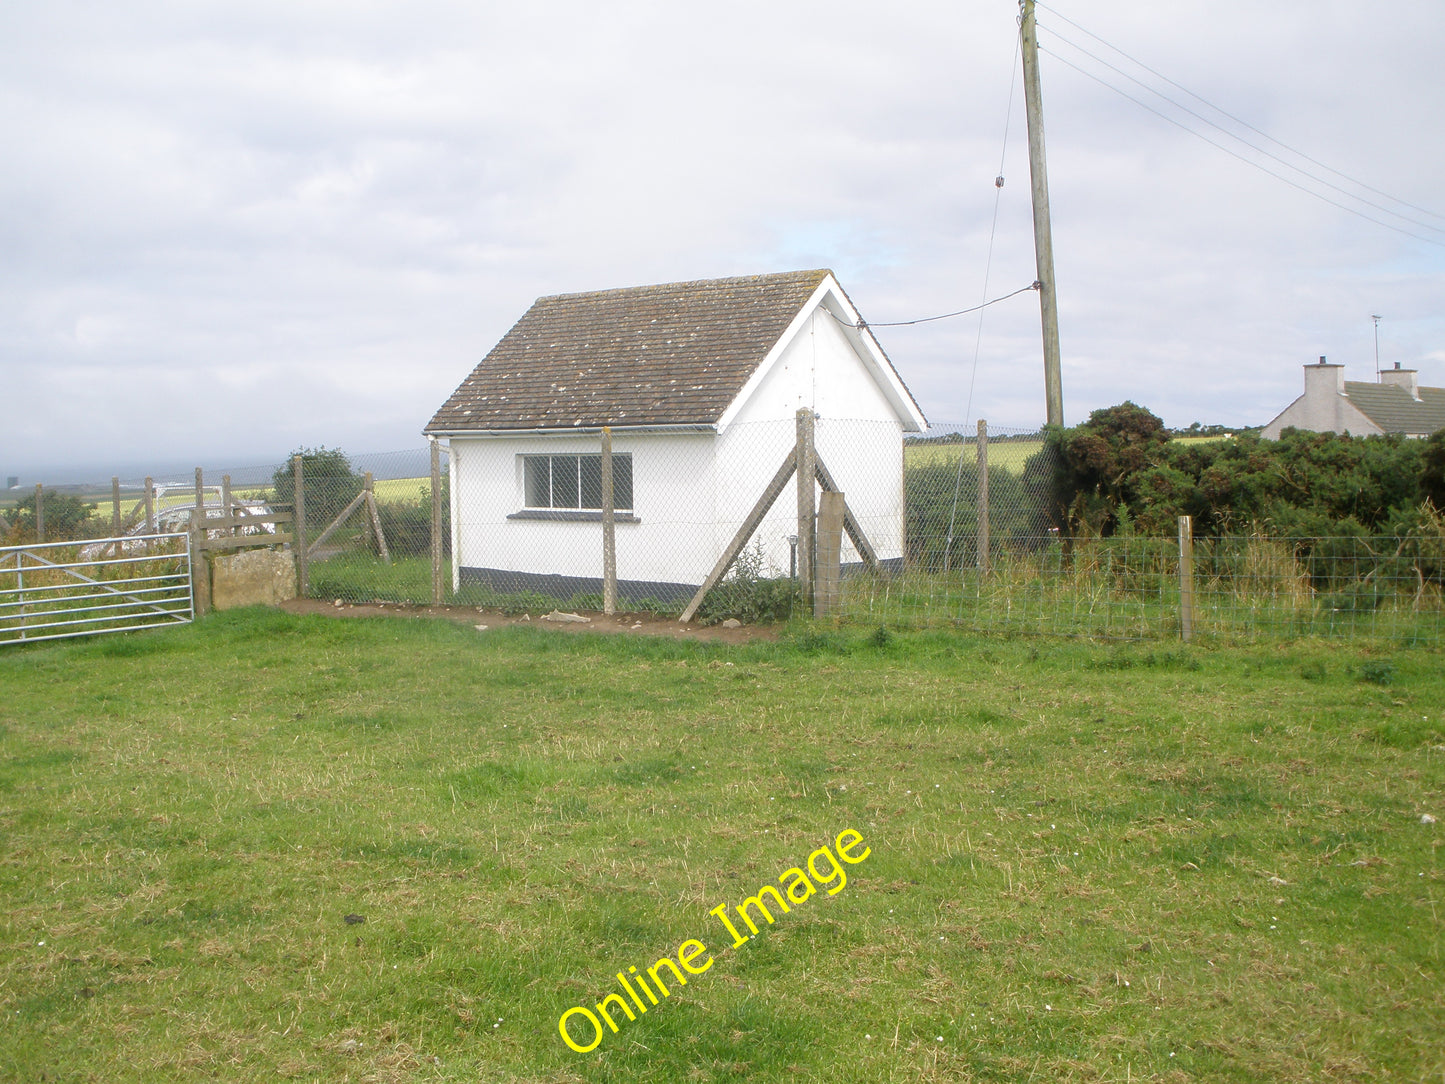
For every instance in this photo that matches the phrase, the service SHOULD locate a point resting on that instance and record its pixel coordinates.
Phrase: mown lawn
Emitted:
(1087, 862)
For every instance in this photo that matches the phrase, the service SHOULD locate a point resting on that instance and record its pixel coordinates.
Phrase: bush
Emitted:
(67, 517)
(328, 484)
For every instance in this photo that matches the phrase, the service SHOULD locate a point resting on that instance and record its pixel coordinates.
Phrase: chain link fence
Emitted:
(952, 528)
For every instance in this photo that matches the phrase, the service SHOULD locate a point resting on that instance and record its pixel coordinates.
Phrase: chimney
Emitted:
(1324, 380)
(1409, 379)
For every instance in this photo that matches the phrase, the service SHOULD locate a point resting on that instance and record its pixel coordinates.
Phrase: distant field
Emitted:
(1011, 455)
(386, 489)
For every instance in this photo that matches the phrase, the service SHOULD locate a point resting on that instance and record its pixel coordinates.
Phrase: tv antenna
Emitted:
(1377, 347)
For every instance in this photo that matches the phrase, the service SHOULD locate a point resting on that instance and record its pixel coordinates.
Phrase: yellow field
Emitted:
(386, 489)
(1011, 455)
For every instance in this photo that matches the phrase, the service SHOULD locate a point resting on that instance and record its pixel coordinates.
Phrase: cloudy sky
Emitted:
(231, 229)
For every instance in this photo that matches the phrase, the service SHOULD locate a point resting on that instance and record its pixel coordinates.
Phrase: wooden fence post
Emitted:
(200, 567)
(299, 511)
(1186, 578)
(436, 523)
(114, 506)
(200, 495)
(807, 522)
(609, 528)
(830, 553)
(150, 506)
(226, 508)
(39, 513)
(982, 511)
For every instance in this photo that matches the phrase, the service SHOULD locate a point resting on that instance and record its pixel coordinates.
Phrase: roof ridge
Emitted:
(775, 276)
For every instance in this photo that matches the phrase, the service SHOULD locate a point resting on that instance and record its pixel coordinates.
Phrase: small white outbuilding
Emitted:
(700, 383)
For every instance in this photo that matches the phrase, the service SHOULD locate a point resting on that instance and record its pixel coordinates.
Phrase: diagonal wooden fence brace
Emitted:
(376, 519)
(335, 523)
(850, 522)
(735, 547)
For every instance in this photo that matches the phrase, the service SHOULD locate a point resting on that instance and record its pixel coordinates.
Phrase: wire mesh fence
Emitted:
(949, 528)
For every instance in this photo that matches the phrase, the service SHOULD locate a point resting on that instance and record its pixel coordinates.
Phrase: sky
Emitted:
(229, 230)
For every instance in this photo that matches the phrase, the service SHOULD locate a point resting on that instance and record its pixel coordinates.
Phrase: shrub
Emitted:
(750, 596)
(67, 517)
(328, 483)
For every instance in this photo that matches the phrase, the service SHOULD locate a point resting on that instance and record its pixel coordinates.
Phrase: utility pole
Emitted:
(1043, 235)
(1377, 348)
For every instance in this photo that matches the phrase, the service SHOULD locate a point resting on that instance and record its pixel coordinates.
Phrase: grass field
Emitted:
(1087, 862)
(1009, 454)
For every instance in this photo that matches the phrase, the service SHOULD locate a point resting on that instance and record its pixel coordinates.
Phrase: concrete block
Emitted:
(252, 578)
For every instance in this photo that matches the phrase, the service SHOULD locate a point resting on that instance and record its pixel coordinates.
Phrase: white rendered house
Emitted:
(1397, 403)
(700, 384)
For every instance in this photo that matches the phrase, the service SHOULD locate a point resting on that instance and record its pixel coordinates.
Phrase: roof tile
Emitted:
(672, 354)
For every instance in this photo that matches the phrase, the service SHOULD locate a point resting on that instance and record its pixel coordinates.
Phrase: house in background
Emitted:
(700, 383)
(1332, 404)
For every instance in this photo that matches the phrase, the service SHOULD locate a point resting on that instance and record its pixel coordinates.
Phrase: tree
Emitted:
(1096, 462)
(329, 484)
(66, 517)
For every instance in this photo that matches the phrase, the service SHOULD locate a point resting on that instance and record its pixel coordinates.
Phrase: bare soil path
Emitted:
(636, 624)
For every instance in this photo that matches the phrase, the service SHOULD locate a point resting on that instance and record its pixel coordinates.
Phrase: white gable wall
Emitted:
(1323, 408)
(858, 434)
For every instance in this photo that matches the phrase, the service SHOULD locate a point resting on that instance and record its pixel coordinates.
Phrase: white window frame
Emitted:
(618, 459)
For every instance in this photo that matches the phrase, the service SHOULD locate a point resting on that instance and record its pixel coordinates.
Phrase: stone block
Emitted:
(252, 578)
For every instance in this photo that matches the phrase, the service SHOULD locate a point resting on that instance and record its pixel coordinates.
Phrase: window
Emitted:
(575, 481)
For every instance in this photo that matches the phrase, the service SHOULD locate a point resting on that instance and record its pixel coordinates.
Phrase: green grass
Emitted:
(1089, 862)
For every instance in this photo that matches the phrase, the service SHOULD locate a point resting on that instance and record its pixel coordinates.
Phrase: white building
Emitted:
(700, 383)
(1332, 404)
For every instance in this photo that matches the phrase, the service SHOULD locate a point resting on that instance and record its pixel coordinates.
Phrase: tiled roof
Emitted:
(673, 354)
(1393, 410)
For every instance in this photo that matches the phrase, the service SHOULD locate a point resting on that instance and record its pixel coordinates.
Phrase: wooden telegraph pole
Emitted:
(1043, 235)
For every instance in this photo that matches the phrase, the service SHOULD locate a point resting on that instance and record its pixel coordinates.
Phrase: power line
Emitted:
(862, 323)
(1242, 158)
(1237, 120)
(1267, 153)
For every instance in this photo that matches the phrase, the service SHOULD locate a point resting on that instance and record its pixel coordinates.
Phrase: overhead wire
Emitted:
(862, 323)
(987, 269)
(1237, 120)
(1235, 154)
(1220, 128)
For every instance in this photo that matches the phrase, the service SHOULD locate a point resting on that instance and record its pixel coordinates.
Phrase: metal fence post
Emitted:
(1186, 578)
(299, 511)
(609, 528)
(807, 521)
(436, 523)
(982, 511)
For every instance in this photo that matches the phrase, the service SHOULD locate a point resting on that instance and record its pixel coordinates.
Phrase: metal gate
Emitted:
(51, 591)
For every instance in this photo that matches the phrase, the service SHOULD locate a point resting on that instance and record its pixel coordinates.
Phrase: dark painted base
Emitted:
(563, 588)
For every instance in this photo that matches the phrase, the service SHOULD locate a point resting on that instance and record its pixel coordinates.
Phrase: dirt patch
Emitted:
(636, 624)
